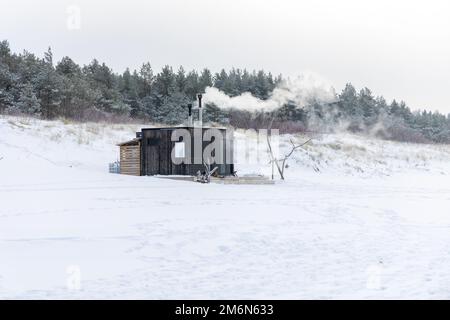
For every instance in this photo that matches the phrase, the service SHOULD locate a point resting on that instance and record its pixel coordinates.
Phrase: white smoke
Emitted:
(300, 91)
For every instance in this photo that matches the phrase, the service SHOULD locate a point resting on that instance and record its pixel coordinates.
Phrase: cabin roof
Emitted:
(183, 127)
(137, 140)
(132, 142)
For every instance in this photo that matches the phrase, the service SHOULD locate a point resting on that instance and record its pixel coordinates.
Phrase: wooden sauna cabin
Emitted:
(150, 153)
(193, 146)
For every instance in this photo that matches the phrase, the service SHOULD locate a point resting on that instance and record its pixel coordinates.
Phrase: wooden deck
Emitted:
(244, 180)
(252, 180)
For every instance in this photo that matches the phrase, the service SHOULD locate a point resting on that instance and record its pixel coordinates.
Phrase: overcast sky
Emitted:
(400, 49)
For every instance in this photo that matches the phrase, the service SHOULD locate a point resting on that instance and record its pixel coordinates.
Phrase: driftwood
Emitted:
(205, 177)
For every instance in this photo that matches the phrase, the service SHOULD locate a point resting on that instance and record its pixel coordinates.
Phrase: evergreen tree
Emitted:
(262, 85)
(6, 85)
(5, 53)
(394, 109)
(192, 85)
(146, 80)
(368, 106)
(7, 79)
(165, 82)
(205, 80)
(349, 106)
(349, 100)
(220, 80)
(68, 68)
(48, 86)
(181, 80)
(35, 86)
(28, 102)
(48, 57)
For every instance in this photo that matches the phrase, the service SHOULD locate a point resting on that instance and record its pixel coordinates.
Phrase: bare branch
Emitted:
(273, 160)
(295, 147)
(283, 160)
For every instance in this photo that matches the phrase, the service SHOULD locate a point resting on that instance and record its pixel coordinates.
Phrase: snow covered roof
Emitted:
(134, 141)
(184, 127)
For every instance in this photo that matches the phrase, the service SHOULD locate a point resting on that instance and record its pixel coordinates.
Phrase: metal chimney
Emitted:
(200, 115)
(190, 122)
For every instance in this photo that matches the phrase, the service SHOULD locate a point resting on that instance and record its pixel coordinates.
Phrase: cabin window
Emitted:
(179, 150)
(152, 141)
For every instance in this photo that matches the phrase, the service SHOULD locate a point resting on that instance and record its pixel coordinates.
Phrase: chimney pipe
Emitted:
(190, 114)
(200, 115)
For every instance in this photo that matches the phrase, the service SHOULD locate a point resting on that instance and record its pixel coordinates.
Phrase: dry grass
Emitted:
(56, 137)
(16, 124)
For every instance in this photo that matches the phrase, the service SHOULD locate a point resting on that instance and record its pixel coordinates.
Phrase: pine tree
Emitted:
(262, 85)
(28, 102)
(348, 104)
(214, 114)
(367, 104)
(5, 52)
(49, 87)
(147, 79)
(205, 80)
(165, 82)
(220, 80)
(129, 90)
(7, 78)
(192, 85)
(6, 101)
(6, 84)
(181, 80)
(68, 68)
(381, 104)
(33, 85)
(394, 109)
(247, 82)
(48, 57)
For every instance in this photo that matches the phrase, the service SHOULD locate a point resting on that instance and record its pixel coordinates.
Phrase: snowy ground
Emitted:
(356, 218)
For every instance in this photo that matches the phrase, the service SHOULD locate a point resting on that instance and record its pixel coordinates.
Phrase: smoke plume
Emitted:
(300, 91)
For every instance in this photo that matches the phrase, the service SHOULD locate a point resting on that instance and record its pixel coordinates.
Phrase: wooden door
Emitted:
(152, 159)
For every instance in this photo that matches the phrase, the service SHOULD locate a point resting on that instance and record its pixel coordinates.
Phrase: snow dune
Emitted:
(356, 218)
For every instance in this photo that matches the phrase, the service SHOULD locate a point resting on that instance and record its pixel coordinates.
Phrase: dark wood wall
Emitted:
(157, 149)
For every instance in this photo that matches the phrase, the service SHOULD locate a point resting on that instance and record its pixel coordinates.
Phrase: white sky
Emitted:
(397, 48)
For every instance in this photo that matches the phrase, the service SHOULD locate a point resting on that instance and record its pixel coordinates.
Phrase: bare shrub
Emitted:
(290, 127)
(399, 132)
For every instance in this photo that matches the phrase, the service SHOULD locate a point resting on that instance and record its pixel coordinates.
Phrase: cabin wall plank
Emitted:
(130, 160)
